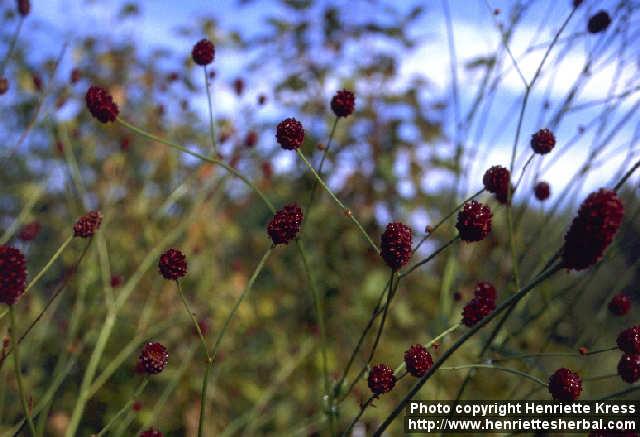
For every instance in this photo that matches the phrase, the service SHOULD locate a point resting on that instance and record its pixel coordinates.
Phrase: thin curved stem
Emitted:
(193, 319)
(436, 339)
(429, 258)
(503, 369)
(203, 400)
(324, 157)
(124, 409)
(236, 305)
(49, 263)
(215, 161)
(16, 362)
(346, 210)
(212, 129)
(12, 46)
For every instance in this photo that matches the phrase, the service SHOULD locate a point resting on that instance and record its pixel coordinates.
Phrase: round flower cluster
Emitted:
(542, 191)
(381, 379)
(343, 103)
(13, 274)
(203, 52)
(565, 385)
(629, 365)
(474, 221)
(543, 141)
(482, 304)
(4, 85)
(496, 180)
(418, 360)
(620, 304)
(290, 134)
(592, 230)
(153, 358)
(395, 245)
(101, 104)
(87, 225)
(599, 22)
(29, 231)
(285, 224)
(172, 264)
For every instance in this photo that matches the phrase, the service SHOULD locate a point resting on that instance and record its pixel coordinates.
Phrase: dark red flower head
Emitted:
(474, 221)
(172, 264)
(101, 104)
(116, 281)
(496, 179)
(629, 368)
(395, 245)
(476, 310)
(485, 290)
(151, 432)
(381, 379)
(24, 7)
(4, 85)
(542, 191)
(482, 304)
(13, 274)
(153, 358)
(88, 224)
(262, 99)
(592, 230)
(543, 141)
(343, 103)
(599, 22)
(238, 86)
(285, 224)
(290, 134)
(29, 231)
(629, 340)
(203, 52)
(620, 304)
(564, 385)
(418, 360)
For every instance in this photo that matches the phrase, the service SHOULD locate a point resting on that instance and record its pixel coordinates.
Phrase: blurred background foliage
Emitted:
(60, 163)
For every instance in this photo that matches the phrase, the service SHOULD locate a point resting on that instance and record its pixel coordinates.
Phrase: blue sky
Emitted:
(475, 34)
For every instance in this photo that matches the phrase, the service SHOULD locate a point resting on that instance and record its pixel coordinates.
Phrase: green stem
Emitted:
(436, 339)
(203, 399)
(211, 122)
(503, 369)
(16, 362)
(195, 322)
(215, 161)
(319, 307)
(346, 210)
(236, 305)
(125, 408)
(324, 157)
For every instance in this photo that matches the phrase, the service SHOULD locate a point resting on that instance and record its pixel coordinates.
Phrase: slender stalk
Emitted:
(195, 322)
(236, 305)
(203, 399)
(212, 128)
(215, 161)
(436, 339)
(503, 369)
(324, 157)
(319, 307)
(16, 363)
(429, 258)
(26, 209)
(355, 419)
(554, 354)
(125, 408)
(12, 45)
(346, 210)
